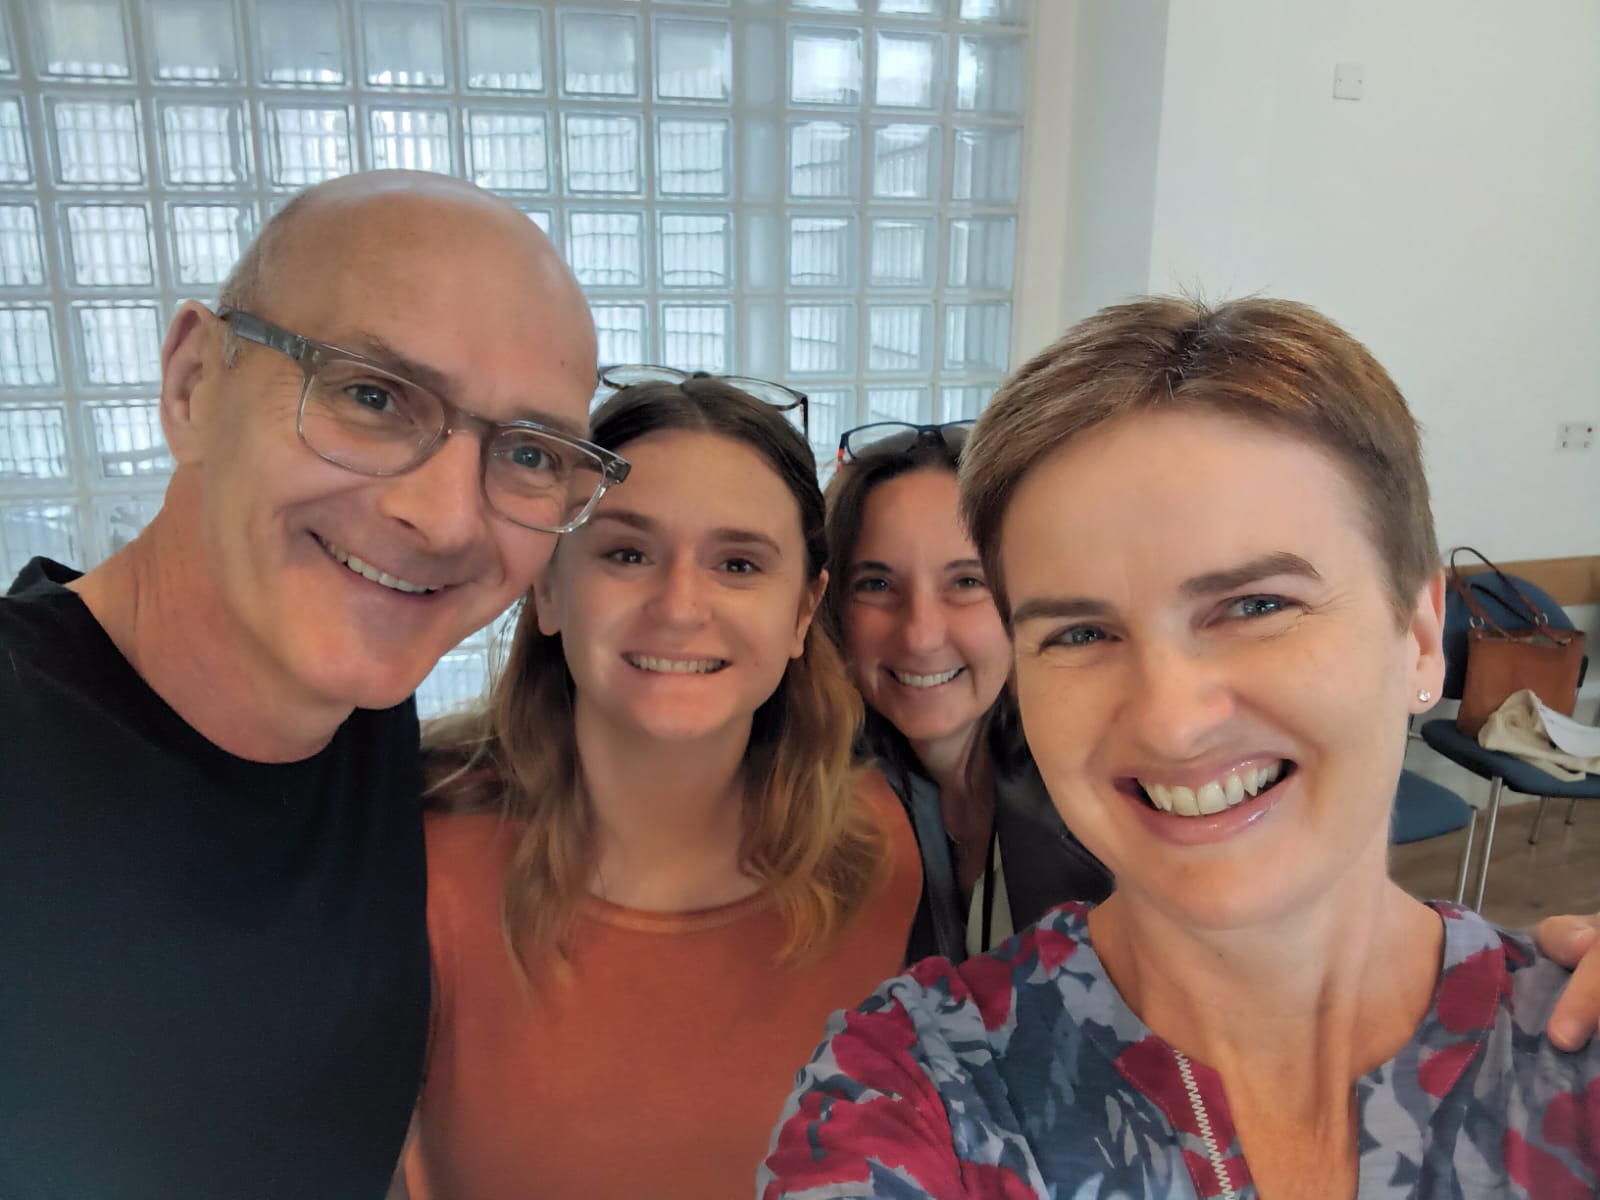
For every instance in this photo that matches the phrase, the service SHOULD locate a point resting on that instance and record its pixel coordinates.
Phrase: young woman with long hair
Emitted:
(654, 869)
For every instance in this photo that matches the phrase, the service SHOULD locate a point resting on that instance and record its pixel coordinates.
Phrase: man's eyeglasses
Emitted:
(900, 436)
(785, 399)
(360, 416)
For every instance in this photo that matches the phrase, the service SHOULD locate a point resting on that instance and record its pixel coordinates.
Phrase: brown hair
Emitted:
(1270, 362)
(806, 837)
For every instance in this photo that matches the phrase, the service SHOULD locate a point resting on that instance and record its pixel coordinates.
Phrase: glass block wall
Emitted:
(822, 192)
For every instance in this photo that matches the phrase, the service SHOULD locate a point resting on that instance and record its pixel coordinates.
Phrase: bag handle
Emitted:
(1464, 589)
(1480, 615)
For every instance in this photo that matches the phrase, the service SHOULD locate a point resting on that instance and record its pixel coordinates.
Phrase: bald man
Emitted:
(213, 959)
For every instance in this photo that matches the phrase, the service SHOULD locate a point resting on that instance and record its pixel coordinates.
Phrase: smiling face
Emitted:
(1209, 666)
(341, 588)
(924, 642)
(683, 599)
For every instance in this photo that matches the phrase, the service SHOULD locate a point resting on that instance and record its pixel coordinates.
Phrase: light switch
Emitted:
(1349, 80)
(1574, 435)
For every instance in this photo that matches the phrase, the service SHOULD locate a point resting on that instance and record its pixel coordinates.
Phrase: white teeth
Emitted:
(367, 571)
(677, 666)
(1215, 795)
(1211, 798)
(1233, 787)
(925, 681)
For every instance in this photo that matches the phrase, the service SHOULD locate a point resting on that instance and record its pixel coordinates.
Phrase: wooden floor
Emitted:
(1526, 883)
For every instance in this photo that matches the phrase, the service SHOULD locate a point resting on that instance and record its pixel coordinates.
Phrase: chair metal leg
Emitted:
(1466, 858)
(1572, 812)
(1538, 821)
(1488, 840)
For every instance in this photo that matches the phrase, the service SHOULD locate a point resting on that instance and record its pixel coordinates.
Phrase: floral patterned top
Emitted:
(1023, 1073)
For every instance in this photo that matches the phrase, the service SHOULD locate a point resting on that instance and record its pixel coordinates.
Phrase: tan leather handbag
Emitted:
(1502, 659)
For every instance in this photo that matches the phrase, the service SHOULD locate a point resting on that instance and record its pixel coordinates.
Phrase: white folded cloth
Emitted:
(1532, 731)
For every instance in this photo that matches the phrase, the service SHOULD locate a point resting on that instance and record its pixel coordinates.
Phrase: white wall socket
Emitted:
(1349, 81)
(1574, 435)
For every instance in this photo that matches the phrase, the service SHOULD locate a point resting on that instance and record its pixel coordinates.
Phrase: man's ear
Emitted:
(809, 602)
(542, 597)
(191, 360)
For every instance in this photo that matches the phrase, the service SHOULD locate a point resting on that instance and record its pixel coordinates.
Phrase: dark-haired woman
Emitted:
(910, 607)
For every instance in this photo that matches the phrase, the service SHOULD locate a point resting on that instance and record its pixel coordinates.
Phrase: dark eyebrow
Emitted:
(1210, 584)
(868, 564)
(377, 351)
(1280, 562)
(1059, 608)
(637, 520)
(624, 516)
(955, 564)
(749, 537)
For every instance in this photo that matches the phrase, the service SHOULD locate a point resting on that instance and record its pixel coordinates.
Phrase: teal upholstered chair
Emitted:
(1424, 809)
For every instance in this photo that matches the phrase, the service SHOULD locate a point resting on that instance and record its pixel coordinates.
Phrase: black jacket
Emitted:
(1042, 863)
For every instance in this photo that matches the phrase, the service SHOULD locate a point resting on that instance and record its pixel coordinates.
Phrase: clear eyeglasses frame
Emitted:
(363, 417)
(902, 436)
(778, 395)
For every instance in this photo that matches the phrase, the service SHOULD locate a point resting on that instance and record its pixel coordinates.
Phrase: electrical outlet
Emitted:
(1574, 435)
(1349, 81)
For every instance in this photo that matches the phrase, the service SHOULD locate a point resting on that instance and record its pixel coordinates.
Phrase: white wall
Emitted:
(1451, 218)
(1117, 77)
(1095, 79)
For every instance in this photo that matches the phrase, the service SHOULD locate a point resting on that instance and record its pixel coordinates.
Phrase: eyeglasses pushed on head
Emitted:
(900, 436)
(783, 398)
(365, 418)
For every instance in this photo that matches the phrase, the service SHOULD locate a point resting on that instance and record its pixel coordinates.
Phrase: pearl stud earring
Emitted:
(1425, 697)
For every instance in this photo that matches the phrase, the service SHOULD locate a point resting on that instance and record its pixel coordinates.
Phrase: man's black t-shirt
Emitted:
(213, 972)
